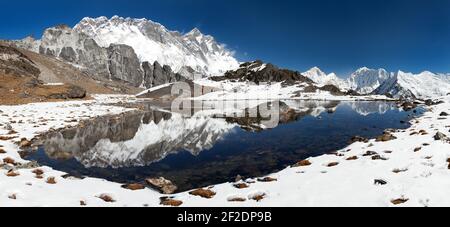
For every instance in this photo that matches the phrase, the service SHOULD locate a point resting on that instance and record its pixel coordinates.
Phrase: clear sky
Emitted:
(336, 35)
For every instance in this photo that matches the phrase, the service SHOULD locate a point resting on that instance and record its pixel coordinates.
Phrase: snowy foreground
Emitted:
(412, 170)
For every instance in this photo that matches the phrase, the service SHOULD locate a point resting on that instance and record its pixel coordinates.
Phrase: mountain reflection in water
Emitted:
(209, 148)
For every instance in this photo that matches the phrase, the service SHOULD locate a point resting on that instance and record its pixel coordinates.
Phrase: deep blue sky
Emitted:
(336, 35)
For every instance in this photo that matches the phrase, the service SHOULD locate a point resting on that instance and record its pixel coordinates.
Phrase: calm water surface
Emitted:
(203, 150)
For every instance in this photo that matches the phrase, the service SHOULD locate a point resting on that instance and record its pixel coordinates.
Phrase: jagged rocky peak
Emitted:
(153, 42)
(366, 80)
(260, 72)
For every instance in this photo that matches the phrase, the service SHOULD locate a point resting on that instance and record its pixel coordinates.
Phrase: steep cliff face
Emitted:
(124, 64)
(153, 42)
(139, 52)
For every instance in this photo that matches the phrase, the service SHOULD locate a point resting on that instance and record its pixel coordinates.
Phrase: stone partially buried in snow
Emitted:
(162, 184)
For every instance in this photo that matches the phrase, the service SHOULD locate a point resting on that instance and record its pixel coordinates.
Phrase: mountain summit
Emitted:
(153, 42)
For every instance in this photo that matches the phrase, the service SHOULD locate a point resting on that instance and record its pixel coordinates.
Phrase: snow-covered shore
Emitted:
(401, 173)
(228, 90)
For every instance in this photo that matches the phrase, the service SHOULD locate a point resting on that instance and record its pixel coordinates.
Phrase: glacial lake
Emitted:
(204, 149)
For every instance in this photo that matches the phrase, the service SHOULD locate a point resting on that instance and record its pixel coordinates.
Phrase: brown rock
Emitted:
(302, 163)
(386, 137)
(378, 157)
(83, 203)
(241, 185)
(333, 164)
(258, 197)
(352, 158)
(417, 149)
(38, 171)
(2, 151)
(237, 199)
(267, 179)
(24, 143)
(359, 139)
(370, 153)
(107, 198)
(162, 184)
(12, 173)
(399, 170)
(399, 201)
(133, 187)
(204, 193)
(51, 180)
(170, 202)
(9, 160)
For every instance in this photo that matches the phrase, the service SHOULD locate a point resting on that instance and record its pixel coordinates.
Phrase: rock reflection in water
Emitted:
(207, 148)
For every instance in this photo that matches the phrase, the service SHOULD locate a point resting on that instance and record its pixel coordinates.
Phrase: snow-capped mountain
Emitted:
(322, 79)
(365, 80)
(153, 42)
(408, 85)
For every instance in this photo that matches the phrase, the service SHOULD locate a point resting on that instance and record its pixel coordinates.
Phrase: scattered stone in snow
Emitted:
(386, 137)
(204, 193)
(440, 136)
(379, 157)
(51, 180)
(380, 182)
(443, 114)
(333, 164)
(24, 143)
(359, 139)
(417, 149)
(408, 106)
(83, 203)
(12, 196)
(399, 201)
(414, 133)
(426, 144)
(9, 160)
(12, 173)
(5, 138)
(267, 179)
(353, 158)
(399, 170)
(236, 199)
(258, 196)
(38, 171)
(71, 177)
(388, 152)
(107, 198)
(370, 153)
(302, 163)
(133, 187)
(166, 201)
(423, 132)
(162, 184)
(241, 185)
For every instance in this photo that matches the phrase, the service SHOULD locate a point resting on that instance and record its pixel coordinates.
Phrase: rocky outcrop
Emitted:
(259, 72)
(155, 75)
(13, 62)
(124, 64)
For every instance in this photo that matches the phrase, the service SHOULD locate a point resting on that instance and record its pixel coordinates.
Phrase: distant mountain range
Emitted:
(378, 81)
